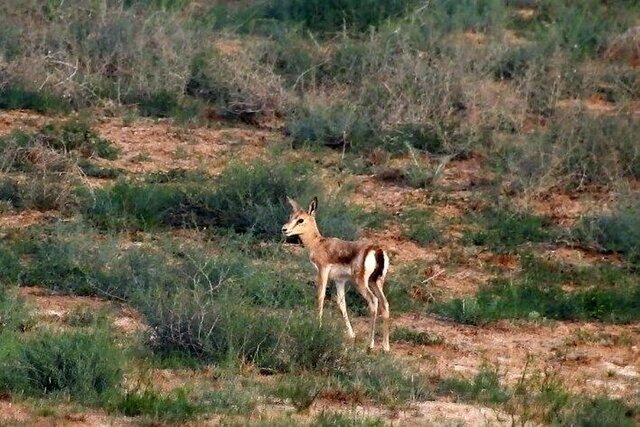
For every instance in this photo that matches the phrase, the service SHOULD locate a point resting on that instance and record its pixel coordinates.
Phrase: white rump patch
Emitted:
(385, 268)
(369, 264)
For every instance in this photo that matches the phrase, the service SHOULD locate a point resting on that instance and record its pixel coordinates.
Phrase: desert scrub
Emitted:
(331, 17)
(245, 198)
(418, 226)
(485, 387)
(412, 336)
(15, 97)
(380, 379)
(605, 293)
(504, 230)
(334, 126)
(86, 366)
(175, 407)
(219, 309)
(576, 150)
(20, 150)
(15, 315)
(214, 330)
(617, 232)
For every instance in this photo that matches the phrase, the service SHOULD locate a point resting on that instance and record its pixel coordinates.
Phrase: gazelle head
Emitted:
(301, 222)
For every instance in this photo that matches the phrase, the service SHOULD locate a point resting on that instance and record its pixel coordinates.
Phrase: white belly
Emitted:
(339, 272)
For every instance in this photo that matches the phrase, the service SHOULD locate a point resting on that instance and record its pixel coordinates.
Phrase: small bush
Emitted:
(14, 314)
(618, 232)
(337, 419)
(91, 169)
(231, 399)
(382, 380)
(84, 365)
(505, 230)
(16, 97)
(415, 337)
(175, 407)
(317, 15)
(10, 267)
(417, 226)
(604, 293)
(333, 126)
(215, 331)
(11, 192)
(485, 388)
(301, 391)
(598, 411)
(247, 199)
(77, 135)
(576, 150)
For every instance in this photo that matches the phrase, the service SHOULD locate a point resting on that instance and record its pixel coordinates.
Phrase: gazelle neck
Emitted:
(311, 238)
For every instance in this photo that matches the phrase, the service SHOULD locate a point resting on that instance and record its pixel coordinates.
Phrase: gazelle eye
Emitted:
(300, 221)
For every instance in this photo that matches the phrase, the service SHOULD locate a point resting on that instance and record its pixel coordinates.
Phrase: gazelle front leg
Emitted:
(321, 290)
(342, 305)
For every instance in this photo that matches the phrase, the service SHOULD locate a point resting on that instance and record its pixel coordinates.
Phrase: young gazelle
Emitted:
(340, 261)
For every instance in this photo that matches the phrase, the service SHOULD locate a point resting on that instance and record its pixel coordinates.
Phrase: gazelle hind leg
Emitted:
(383, 308)
(372, 302)
(342, 305)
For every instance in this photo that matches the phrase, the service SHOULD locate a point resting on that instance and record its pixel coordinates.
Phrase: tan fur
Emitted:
(340, 261)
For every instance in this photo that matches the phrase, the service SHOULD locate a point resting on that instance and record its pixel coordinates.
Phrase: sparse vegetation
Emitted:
(415, 337)
(419, 228)
(247, 199)
(173, 408)
(604, 293)
(618, 232)
(504, 230)
(484, 111)
(84, 365)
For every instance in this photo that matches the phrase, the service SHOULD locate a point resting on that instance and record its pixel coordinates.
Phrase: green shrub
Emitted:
(231, 399)
(174, 407)
(597, 411)
(617, 232)
(415, 337)
(11, 192)
(77, 135)
(381, 379)
(9, 265)
(160, 104)
(300, 390)
(515, 62)
(334, 126)
(247, 199)
(91, 169)
(84, 365)
(417, 226)
(504, 230)
(218, 331)
(14, 314)
(576, 150)
(604, 293)
(338, 419)
(17, 97)
(128, 206)
(317, 15)
(582, 28)
(485, 387)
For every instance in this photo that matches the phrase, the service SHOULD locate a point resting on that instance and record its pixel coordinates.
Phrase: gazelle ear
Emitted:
(294, 205)
(313, 206)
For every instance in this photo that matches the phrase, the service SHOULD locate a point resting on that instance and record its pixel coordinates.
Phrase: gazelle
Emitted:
(340, 261)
